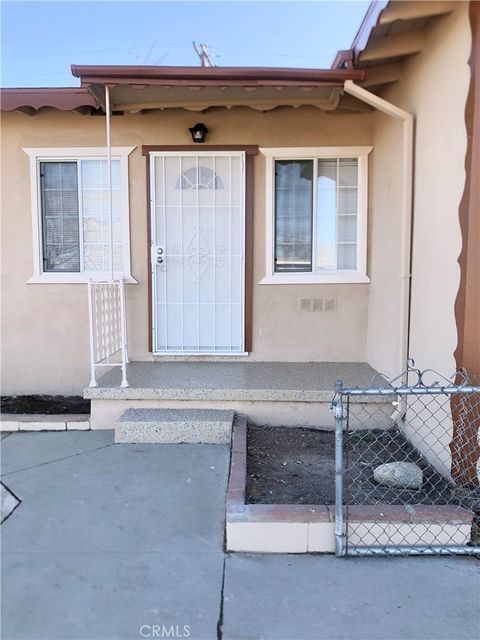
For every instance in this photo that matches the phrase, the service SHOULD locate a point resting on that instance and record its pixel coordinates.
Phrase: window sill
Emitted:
(201, 354)
(73, 278)
(315, 278)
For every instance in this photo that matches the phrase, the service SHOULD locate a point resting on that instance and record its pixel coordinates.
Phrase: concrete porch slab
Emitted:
(286, 393)
(260, 381)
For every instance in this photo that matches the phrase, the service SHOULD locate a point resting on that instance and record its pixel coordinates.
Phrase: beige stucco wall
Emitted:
(45, 326)
(434, 88)
(386, 185)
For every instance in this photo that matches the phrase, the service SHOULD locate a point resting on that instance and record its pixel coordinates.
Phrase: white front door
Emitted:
(198, 242)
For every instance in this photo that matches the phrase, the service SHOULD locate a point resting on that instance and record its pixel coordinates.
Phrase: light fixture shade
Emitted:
(199, 132)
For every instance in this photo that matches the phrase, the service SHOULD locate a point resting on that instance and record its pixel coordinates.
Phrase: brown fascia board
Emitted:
(368, 23)
(62, 98)
(205, 76)
(343, 59)
(363, 34)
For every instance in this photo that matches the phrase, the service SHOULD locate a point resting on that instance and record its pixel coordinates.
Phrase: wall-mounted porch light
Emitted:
(199, 132)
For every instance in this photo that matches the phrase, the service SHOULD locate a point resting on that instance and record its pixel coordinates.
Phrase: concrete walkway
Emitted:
(124, 541)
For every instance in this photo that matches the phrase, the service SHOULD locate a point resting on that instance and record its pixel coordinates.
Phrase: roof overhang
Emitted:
(391, 32)
(140, 88)
(31, 100)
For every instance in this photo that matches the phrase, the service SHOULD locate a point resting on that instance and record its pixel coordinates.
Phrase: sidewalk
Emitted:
(126, 541)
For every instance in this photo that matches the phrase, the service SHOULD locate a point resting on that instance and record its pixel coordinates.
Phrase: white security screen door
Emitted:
(198, 238)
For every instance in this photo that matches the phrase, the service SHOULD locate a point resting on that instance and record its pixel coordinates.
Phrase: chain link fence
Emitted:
(407, 465)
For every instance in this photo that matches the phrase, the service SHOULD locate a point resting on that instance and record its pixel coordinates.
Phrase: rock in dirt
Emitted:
(401, 475)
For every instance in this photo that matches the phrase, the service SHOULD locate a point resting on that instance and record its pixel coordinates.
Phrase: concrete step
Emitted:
(208, 426)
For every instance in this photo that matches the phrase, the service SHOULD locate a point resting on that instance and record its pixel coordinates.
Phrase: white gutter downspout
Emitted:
(407, 206)
(109, 171)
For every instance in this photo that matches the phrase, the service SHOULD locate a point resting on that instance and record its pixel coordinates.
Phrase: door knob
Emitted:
(159, 260)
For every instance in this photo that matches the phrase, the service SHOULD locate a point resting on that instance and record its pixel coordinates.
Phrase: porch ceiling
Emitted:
(134, 99)
(135, 89)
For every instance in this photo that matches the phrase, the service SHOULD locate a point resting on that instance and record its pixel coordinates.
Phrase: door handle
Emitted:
(159, 260)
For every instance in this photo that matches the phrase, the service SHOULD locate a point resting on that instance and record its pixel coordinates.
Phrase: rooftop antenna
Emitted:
(202, 53)
(147, 58)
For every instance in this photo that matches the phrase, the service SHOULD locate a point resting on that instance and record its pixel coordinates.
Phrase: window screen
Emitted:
(96, 215)
(337, 210)
(76, 216)
(60, 220)
(293, 215)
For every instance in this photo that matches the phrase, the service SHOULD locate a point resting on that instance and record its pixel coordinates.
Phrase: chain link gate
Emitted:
(426, 500)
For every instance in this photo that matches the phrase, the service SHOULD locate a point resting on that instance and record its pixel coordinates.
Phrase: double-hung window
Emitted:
(72, 230)
(316, 215)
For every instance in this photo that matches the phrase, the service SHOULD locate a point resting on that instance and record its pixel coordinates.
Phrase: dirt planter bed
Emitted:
(286, 506)
(44, 413)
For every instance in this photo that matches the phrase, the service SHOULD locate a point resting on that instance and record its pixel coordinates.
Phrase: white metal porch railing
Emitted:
(108, 327)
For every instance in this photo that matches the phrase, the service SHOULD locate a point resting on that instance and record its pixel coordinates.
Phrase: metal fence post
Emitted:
(340, 547)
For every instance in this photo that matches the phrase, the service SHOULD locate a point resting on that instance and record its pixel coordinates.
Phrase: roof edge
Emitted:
(362, 36)
(368, 23)
(62, 98)
(99, 74)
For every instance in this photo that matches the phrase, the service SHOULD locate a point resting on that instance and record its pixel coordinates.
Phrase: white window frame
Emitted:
(358, 275)
(63, 154)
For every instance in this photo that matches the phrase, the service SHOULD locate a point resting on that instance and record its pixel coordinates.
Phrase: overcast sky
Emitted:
(41, 39)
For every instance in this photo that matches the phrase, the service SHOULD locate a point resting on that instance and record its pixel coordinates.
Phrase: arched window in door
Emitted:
(199, 178)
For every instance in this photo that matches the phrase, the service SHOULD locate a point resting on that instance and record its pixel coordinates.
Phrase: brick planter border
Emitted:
(292, 528)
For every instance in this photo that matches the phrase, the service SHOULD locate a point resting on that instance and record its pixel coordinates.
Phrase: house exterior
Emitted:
(329, 216)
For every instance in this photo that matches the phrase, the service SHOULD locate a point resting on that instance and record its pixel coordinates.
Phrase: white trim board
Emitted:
(39, 154)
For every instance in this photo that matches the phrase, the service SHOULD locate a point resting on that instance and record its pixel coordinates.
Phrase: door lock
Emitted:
(159, 251)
